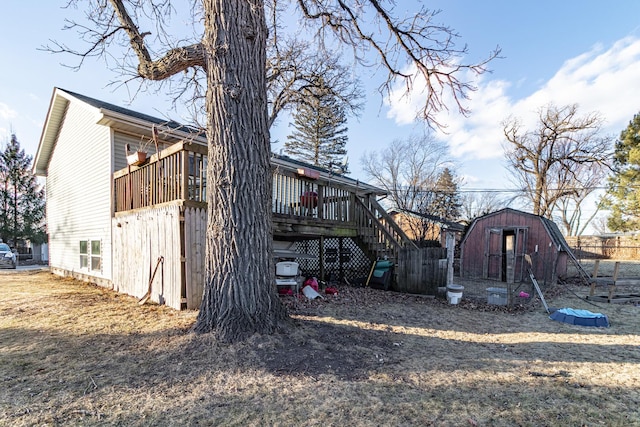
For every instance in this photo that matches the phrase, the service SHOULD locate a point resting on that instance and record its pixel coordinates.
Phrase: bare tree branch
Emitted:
(400, 43)
(225, 61)
(560, 161)
(294, 71)
(408, 171)
(174, 61)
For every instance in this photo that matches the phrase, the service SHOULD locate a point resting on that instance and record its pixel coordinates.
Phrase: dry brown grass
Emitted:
(76, 354)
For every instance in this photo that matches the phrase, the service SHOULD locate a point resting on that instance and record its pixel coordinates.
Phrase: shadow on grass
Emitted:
(147, 376)
(307, 347)
(405, 364)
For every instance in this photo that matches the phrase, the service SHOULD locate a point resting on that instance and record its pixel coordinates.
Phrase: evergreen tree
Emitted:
(320, 134)
(446, 202)
(21, 200)
(623, 194)
(4, 200)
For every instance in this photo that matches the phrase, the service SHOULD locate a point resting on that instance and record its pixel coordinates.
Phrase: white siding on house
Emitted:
(120, 139)
(78, 187)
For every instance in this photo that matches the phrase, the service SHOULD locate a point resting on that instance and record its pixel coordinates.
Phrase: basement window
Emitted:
(84, 254)
(91, 254)
(96, 255)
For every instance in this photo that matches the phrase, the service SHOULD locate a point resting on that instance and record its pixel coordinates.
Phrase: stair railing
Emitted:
(378, 230)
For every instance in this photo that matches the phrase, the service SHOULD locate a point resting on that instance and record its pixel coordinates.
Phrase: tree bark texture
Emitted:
(240, 297)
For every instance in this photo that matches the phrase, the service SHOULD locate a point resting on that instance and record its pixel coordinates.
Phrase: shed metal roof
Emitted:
(551, 227)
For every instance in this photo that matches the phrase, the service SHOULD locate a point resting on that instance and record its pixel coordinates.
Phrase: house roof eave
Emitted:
(133, 122)
(106, 116)
(279, 160)
(55, 115)
(130, 124)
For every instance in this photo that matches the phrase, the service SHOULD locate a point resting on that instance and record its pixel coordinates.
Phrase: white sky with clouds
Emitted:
(589, 80)
(585, 52)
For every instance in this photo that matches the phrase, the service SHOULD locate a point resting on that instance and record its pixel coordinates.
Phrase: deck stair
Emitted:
(378, 234)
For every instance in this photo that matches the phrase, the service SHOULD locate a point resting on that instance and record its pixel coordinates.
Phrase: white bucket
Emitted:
(454, 293)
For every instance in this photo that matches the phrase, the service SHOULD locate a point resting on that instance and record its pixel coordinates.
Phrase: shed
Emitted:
(495, 246)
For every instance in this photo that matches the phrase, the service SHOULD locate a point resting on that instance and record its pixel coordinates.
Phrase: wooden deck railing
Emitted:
(295, 197)
(320, 199)
(162, 178)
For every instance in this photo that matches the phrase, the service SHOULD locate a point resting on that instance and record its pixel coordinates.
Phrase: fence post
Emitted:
(450, 244)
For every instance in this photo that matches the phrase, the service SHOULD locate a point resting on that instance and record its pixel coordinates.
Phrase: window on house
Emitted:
(96, 256)
(91, 254)
(84, 254)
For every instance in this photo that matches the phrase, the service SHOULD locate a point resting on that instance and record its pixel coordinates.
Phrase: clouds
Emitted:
(6, 113)
(606, 81)
(6, 116)
(601, 79)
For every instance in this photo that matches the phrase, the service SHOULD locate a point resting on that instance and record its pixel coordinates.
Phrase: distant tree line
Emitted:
(559, 164)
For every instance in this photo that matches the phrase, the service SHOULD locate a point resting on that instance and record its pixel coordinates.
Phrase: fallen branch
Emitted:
(554, 375)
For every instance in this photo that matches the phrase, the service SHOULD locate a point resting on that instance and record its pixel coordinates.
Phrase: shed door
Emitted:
(520, 250)
(504, 252)
(492, 268)
(509, 252)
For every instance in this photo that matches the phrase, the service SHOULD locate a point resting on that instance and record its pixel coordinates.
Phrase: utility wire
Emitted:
(517, 190)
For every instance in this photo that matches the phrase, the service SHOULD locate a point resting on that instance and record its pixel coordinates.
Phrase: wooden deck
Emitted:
(166, 196)
(161, 179)
(305, 203)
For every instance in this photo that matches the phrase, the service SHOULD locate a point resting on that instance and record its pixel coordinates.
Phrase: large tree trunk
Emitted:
(240, 297)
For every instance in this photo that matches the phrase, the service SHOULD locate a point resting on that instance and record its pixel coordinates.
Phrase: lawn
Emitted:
(76, 354)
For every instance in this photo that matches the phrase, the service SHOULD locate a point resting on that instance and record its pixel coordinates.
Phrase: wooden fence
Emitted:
(139, 240)
(195, 231)
(421, 271)
(624, 247)
(172, 233)
(588, 252)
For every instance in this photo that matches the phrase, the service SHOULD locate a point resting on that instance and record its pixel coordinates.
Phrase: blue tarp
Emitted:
(580, 317)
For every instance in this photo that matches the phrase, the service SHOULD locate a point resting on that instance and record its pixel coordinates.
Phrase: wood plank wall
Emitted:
(195, 232)
(139, 239)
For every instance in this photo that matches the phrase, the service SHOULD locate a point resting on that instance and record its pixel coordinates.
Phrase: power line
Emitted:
(524, 190)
